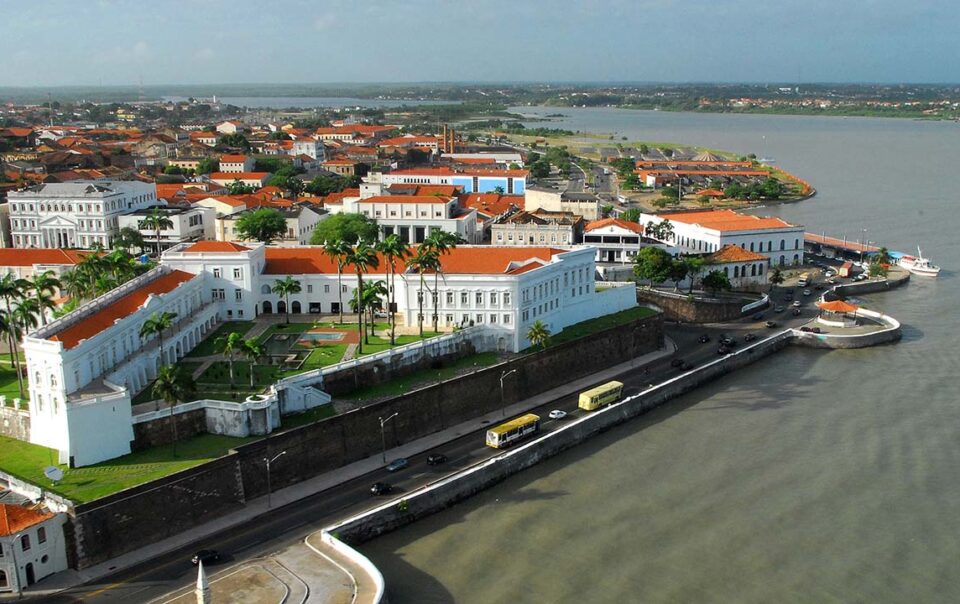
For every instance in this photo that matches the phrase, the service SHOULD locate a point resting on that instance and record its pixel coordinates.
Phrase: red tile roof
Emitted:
(491, 204)
(30, 257)
(119, 309)
(233, 159)
(239, 175)
(406, 199)
(623, 224)
(216, 246)
(735, 253)
(15, 518)
(727, 220)
(443, 171)
(448, 190)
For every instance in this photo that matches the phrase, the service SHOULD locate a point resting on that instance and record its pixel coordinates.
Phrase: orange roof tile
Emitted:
(727, 220)
(735, 253)
(623, 224)
(837, 306)
(239, 175)
(216, 246)
(15, 518)
(30, 257)
(119, 309)
(491, 204)
(233, 159)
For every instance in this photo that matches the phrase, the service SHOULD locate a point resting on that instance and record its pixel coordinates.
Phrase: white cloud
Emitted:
(324, 22)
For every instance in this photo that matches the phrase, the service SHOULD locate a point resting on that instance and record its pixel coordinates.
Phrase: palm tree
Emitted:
(12, 288)
(441, 242)
(338, 250)
(538, 334)
(157, 323)
(43, 286)
(253, 350)
(75, 283)
(423, 260)
(775, 277)
(882, 256)
(372, 300)
(394, 251)
(173, 386)
(229, 345)
(284, 287)
(157, 221)
(363, 258)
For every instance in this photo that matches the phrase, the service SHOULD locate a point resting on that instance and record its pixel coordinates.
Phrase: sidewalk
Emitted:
(291, 494)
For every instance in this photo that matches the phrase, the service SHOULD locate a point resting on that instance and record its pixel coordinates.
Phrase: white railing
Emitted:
(205, 404)
(758, 304)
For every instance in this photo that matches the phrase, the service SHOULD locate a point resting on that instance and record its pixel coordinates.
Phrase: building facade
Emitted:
(508, 182)
(32, 546)
(538, 229)
(187, 224)
(413, 217)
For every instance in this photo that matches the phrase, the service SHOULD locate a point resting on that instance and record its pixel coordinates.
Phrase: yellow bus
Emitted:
(510, 432)
(804, 280)
(601, 395)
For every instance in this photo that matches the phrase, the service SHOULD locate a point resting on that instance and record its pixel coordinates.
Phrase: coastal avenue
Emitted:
(290, 524)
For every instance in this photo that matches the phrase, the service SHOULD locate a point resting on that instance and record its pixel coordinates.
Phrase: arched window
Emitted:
(782, 260)
(726, 271)
(783, 244)
(38, 379)
(25, 542)
(796, 258)
(796, 244)
(265, 289)
(53, 380)
(4, 582)
(736, 271)
(753, 270)
(760, 270)
(751, 246)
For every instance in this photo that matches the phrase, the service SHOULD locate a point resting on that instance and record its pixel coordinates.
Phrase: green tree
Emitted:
(694, 266)
(208, 165)
(677, 272)
(733, 191)
(716, 281)
(661, 231)
(350, 228)
(606, 209)
(499, 190)
(881, 257)
(337, 250)
(775, 277)
(254, 351)
(156, 220)
(538, 334)
(423, 260)
(631, 215)
(540, 169)
(284, 287)
(43, 286)
(631, 181)
(156, 324)
(394, 252)
(652, 264)
(129, 239)
(173, 386)
(13, 289)
(264, 225)
(228, 345)
(234, 140)
(440, 242)
(877, 270)
(363, 258)
(239, 188)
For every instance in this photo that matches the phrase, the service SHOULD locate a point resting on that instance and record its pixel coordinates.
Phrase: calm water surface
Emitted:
(809, 477)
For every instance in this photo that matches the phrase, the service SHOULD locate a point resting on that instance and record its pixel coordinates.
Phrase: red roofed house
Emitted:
(253, 179)
(233, 164)
(32, 546)
(744, 269)
(413, 217)
(616, 240)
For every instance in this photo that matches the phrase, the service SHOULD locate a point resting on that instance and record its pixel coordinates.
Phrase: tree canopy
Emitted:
(345, 227)
(265, 225)
(652, 264)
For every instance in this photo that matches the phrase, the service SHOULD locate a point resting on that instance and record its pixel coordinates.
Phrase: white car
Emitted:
(557, 414)
(807, 292)
(828, 274)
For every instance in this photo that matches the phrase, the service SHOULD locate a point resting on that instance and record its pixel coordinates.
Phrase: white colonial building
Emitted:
(616, 240)
(709, 231)
(187, 224)
(413, 217)
(76, 214)
(234, 164)
(32, 546)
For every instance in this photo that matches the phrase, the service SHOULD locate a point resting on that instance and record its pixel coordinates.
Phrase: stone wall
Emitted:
(160, 431)
(677, 307)
(15, 423)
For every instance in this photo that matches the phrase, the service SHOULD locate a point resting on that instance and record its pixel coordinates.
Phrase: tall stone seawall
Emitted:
(679, 307)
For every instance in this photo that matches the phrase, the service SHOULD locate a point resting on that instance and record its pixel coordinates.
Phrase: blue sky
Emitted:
(80, 42)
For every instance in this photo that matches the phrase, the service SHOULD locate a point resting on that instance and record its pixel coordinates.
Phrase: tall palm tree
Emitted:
(395, 251)
(173, 386)
(372, 296)
(11, 289)
(157, 221)
(253, 350)
(440, 242)
(22, 320)
(157, 323)
(363, 257)
(423, 260)
(8, 326)
(538, 334)
(284, 287)
(338, 250)
(76, 284)
(43, 286)
(229, 345)
(882, 256)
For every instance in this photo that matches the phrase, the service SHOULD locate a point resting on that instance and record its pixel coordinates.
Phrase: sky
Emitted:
(118, 42)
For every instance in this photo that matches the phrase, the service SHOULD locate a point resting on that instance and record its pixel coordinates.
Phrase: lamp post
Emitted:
(268, 462)
(503, 405)
(863, 239)
(383, 436)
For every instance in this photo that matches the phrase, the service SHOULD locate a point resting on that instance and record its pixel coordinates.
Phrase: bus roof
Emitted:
(515, 423)
(601, 389)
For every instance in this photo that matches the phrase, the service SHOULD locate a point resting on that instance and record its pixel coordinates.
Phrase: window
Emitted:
(464, 299)
(326, 289)
(506, 298)
(265, 289)
(41, 535)
(4, 582)
(479, 299)
(309, 289)
(219, 294)
(217, 272)
(25, 543)
(479, 319)
(343, 288)
(237, 273)
(449, 319)
(238, 295)
(493, 298)
(506, 319)
(449, 298)
(493, 318)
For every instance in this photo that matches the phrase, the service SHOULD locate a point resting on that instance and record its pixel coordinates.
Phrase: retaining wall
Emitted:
(15, 423)
(679, 307)
(890, 333)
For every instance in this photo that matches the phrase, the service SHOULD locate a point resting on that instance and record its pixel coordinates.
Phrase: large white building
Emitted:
(413, 217)
(76, 214)
(709, 231)
(511, 182)
(187, 224)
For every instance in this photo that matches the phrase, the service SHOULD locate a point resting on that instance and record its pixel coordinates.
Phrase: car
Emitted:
(818, 286)
(435, 459)
(207, 556)
(831, 281)
(815, 329)
(703, 339)
(757, 316)
(778, 309)
(397, 464)
(728, 341)
(687, 366)
(678, 362)
(828, 274)
(557, 414)
(807, 292)
(796, 312)
(797, 304)
(750, 337)
(723, 350)
(805, 328)
(788, 297)
(771, 324)
(381, 488)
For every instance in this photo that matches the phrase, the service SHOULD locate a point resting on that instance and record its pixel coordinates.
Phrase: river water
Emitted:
(811, 476)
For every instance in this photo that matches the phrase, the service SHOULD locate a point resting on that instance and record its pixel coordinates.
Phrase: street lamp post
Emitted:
(503, 405)
(863, 239)
(268, 462)
(383, 436)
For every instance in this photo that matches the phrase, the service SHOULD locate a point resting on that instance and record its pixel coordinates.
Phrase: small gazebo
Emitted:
(837, 313)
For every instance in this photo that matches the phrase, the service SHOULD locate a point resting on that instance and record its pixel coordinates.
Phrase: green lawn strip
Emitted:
(321, 356)
(8, 384)
(146, 395)
(409, 382)
(379, 344)
(218, 373)
(307, 417)
(578, 330)
(209, 346)
(81, 485)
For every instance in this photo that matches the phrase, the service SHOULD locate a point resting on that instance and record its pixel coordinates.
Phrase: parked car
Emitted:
(703, 339)
(805, 328)
(750, 337)
(678, 362)
(728, 341)
(828, 274)
(436, 459)
(757, 316)
(815, 329)
(797, 304)
(207, 556)
(771, 324)
(778, 309)
(687, 366)
(557, 414)
(723, 350)
(796, 312)
(397, 464)
(381, 488)
(807, 292)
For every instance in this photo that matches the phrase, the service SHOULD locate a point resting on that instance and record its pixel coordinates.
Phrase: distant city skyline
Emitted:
(121, 42)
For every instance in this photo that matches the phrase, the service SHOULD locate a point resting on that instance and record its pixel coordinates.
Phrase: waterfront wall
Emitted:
(680, 307)
(895, 278)
(891, 332)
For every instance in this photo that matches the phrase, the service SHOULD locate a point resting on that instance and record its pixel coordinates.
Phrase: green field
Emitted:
(209, 345)
(379, 344)
(578, 330)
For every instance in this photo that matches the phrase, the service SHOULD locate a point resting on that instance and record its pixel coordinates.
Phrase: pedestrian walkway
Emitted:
(258, 507)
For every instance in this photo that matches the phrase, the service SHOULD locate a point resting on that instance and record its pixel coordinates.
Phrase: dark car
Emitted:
(778, 309)
(676, 363)
(796, 312)
(771, 323)
(749, 337)
(207, 556)
(723, 350)
(758, 316)
(815, 329)
(381, 488)
(687, 366)
(436, 459)
(397, 464)
(804, 328)
(703, 339)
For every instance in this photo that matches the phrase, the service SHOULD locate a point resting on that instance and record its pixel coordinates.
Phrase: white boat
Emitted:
(919, 265)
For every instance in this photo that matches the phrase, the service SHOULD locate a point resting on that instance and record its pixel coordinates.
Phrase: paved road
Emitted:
(290, 524)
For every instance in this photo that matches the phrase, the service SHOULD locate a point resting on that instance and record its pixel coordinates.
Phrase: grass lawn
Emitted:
(379, 344)
(321, 356)
(208, 346)
(146, 395)
(578, 330)
(8, 382)
(409, 382)
(284, 328)
(81, 485)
